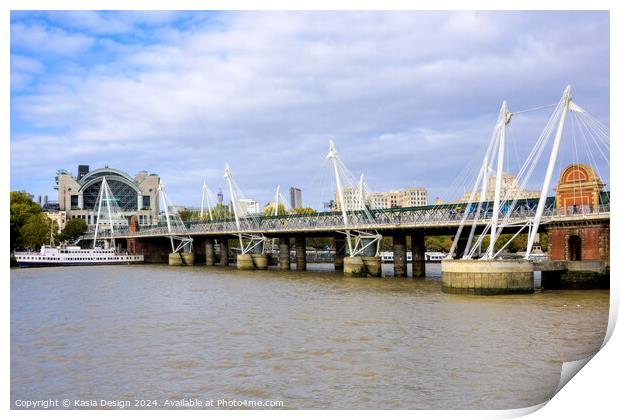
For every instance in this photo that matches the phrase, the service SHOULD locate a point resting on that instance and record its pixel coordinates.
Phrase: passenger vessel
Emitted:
(388, 256)
(69, 255)
(75, 255)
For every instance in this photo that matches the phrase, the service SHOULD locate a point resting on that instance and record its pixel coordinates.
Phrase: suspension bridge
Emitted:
(570, 155)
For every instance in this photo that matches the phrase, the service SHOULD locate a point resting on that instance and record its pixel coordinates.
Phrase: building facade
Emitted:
(580, 190)
(60, 217)
(136, 195)
(246, 207)
(508, 190)
(409, 197)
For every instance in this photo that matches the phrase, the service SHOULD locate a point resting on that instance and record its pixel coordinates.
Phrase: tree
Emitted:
(21, 209)
(187, 215)
(220, 212)
(441, 243)
(319, 243)
(518, 244)
(303, 210)
(544, 241)
(387, 243)
(36, 232)
(270, 210)
(74, 228)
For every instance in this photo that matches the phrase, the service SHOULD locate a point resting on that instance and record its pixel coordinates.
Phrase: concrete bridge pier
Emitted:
(418, 258)
(300, 253)
(284, 254)
(581, 275)
(354, 267)
(487, 277)
(365, 265)
(400, 254)
(260, 261)
(245, 262)
(340, 247)
(185, 257)
(372, 263)
(223, 252)
(209, 252)
(188, 258)
(174, 258)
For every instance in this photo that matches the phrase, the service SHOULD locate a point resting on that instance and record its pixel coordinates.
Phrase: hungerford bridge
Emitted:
(576, 220)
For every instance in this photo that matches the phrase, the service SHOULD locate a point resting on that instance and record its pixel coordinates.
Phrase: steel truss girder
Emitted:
(358, 245)
(183, 241)
(252, 242)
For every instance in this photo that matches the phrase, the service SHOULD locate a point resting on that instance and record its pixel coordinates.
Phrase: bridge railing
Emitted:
(431, 217)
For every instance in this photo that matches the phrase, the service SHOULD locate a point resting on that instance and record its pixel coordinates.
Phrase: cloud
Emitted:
(38, 38)
(110, 22)
(23, 70)
(267, 90)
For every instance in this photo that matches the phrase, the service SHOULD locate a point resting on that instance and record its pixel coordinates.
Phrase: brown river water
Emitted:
(312, 340)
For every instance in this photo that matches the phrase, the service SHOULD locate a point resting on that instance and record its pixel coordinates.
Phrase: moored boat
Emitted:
(75, 255)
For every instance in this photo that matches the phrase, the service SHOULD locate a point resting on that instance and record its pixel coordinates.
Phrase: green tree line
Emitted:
(30, 228)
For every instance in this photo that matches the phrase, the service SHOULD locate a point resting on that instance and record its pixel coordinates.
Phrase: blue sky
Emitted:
(410, 98)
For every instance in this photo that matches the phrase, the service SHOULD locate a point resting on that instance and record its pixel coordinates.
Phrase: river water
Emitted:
(310, 340)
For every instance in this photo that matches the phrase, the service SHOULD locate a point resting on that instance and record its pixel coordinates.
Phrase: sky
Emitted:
(409, 98)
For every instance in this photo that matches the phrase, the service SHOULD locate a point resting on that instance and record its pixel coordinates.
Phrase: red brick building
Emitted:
(579, 192)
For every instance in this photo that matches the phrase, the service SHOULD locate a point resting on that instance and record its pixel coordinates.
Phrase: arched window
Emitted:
(125, 195)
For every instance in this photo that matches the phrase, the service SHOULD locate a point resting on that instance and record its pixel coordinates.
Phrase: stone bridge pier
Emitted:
(209, 252)
(284, 253)
(340, 247)
(418, 254)
(300, 253)
(399, 239)
(223, 261)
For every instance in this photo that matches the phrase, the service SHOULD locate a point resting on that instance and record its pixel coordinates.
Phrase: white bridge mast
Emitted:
(171, 219)
(253, 241)
(566, 102)
(104, 195)
(504, 120)
(363, 240)
(333, 156)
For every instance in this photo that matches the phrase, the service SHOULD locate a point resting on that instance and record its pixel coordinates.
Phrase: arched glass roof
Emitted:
(107, 172)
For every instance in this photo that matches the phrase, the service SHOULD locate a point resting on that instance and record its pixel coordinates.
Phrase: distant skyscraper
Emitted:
(295, 197)
(220, 196)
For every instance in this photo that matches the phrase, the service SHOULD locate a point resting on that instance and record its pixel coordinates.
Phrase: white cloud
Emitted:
(23, 70)
(111, 22)
(266, 91)
(40, 39)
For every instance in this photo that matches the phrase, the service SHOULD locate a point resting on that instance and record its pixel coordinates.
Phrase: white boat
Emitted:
(68, 255)
(388, 256)
(74, 255)
(434, 256)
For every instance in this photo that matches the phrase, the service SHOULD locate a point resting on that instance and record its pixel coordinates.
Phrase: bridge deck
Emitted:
(441, 219)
